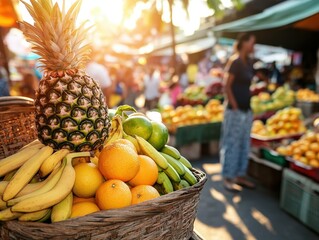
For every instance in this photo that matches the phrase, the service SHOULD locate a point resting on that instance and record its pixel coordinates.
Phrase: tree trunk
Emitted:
(173, 61)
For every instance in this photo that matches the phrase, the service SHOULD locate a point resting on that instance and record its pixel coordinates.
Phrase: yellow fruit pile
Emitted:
(188, 115)
(285, 122)
(38, 184)
(305, 150)
(307, 95)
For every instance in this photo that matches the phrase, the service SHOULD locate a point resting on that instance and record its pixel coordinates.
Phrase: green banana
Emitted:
(7, 215)
(62, 211)
(175, 164)
(189, 177)
(171, 151)
(185, 162)
(182, 184)
(172, 174)
(34, 216)
(159, 188)
(150, 151)
(167, 184)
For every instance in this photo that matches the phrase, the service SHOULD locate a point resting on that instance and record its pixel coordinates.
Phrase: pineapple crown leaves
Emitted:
(55, 37)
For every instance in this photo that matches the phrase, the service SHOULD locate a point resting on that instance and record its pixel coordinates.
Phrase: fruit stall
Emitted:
(192, 126)
(71, 170)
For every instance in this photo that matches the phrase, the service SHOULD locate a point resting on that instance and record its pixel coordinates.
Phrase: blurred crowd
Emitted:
(149, 86)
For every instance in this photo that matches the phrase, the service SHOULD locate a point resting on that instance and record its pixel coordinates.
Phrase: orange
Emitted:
(143, 193)
(159, 136)
(138, 125)
(119, 161)
(314, 147)
(78, 199)
(87, 180)
(310, 155)
(126, 142)
(83, 208)
(147, 174)
(113, 194)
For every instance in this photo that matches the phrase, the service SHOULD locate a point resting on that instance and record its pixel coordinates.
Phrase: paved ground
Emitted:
(252, 214)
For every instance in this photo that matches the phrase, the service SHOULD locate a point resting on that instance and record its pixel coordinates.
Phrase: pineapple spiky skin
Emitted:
(71, 112)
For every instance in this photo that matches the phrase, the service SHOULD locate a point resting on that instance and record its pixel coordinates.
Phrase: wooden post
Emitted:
(3, 54)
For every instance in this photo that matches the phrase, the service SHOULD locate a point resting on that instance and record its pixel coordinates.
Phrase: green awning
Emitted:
(279, 15)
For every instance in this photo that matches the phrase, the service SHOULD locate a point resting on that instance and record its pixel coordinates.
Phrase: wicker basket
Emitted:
(168, 217)
(17, 116)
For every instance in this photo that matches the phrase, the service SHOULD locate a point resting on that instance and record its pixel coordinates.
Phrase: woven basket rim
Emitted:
(134, 211)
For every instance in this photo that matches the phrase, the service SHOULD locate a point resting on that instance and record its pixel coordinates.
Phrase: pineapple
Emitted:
(70, 107)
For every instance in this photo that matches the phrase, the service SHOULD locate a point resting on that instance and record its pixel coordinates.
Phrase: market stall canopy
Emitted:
(8, 15)
(282, 14)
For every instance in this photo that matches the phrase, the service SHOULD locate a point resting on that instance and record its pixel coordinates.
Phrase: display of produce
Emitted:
(307, 95)
(285, 122)
(305, 150)
(70, 106)
(188, 115)
(135, 165)
(193, 95)
(264, 102)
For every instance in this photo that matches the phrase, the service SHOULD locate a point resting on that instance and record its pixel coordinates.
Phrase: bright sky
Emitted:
(113, 11)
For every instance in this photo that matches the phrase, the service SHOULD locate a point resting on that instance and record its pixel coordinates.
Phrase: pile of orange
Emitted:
(305, 150)
(122, 178)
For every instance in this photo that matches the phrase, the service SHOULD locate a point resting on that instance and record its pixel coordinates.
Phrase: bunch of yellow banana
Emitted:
(50, 198)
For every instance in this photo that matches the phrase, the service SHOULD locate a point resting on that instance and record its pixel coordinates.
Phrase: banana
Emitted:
(94, 160)
(46, 217)
(35, 142)
(167, 184)
(171, 151)
(48, 165)
(47, 187)
(159, 188)
(17, 160)
(175, 164)
(185, 162)
(172, 174)
(182, 184)
(3, 204)
(149, 150)
(7, 215)
(26, 172)
(116, 130)
(56, 194)
(9, 175)
(132, 140)
(189, 177)
(34, 216)
(62, 210)
(78, 160)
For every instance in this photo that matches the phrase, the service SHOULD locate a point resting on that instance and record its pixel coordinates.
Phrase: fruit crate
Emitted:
(273, 156)
(295, 190)
(304, 169)
(312, 213)
(170, 216)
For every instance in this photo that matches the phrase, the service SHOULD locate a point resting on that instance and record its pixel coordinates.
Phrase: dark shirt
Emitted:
(243, 75)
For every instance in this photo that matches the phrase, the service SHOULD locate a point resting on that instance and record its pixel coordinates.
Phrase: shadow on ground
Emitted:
(251, 214)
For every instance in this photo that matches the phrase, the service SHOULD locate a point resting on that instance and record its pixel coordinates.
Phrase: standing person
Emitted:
(151, 89)
(235, 144)
(100, 74)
